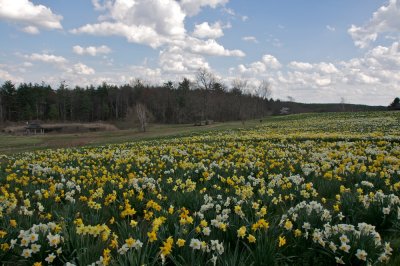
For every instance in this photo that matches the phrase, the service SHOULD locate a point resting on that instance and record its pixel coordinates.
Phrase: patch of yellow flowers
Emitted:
(205, 194)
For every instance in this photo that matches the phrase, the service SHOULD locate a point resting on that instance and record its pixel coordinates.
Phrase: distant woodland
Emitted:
(184, 102)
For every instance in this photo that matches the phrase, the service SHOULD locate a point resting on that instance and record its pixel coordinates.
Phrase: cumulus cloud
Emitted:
(143, 73)
(176, 60)
(259, 68)
(373, 78)
(322, 67)
(271, 62)
(326, 68)
(31, 30)
(91, 50)
(47, 58)
(211, 47)
(323, 81)
(160, 23)
(31, 16)
(362, 36)
(98, 5)
(205, 30)
(253, 69)
(5, 75)
(385, 19)
(82, 69)
(304, 66)
(390, 56)
(133, 33)
(145, 22)
(193, 7)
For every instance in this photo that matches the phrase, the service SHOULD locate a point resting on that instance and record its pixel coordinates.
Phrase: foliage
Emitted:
(184, 103)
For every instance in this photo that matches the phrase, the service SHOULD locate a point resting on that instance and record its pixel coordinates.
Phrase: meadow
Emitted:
(311, 189)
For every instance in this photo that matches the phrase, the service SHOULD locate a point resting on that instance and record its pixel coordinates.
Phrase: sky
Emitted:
(311, 50)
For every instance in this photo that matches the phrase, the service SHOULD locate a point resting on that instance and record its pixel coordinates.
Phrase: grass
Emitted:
(10, 144)
(281, 125)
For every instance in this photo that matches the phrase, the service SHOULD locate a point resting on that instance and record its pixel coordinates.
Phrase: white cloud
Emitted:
(253, 69)
(327, 68)
(144, 73)
(388, 55)
(271, 62)
(384, 20)
(82, 69)
(99, 6)
(176, 60)
(330, 28)
(5, 75)
(233, 14)
(362, 36)
(133, 33)
(366, 79)
(31, 30)
(373, 78)
(27, 64)
(323, 81)
(159, 23)
(145, 22)
(24, 12)
(322, 67)
(259, 68)
(46, 58)
(211, 47)
(379, 65)
(193, 7)
(304, 66)
(250, 39)
(91, 50)
(204, 30)
(229, 11)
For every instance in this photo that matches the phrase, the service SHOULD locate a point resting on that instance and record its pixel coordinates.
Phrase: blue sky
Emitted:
(313, 51)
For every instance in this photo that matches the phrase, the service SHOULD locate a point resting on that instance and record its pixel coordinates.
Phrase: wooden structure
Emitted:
(204, 122)
(34, 128)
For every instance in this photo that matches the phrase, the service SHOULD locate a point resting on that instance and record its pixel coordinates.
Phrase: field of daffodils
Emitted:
(297, 190)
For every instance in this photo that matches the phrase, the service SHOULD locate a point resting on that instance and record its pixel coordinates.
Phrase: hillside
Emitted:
(306, 189)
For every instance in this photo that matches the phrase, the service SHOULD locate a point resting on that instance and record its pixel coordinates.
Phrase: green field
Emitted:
(310, 189)
(10, 144)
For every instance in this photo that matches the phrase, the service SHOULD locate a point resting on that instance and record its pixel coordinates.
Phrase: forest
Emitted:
(183, 102)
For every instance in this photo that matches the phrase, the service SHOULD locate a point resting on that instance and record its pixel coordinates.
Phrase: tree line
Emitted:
(204, 99)
(185, 102)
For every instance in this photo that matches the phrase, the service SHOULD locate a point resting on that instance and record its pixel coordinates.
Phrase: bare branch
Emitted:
(141, 113)
(205, 79)
(264, 89)
(240, 84)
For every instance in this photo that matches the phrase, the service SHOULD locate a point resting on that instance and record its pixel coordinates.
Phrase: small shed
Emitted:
(34, 128)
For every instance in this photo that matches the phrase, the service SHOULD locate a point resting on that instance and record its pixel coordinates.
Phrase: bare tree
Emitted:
(239, 84)
(264, 92)
(205, 79)
(205, 82)
(343, 102)
(141, 113)
(239, 87)
(264, 89)
(291, 98)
